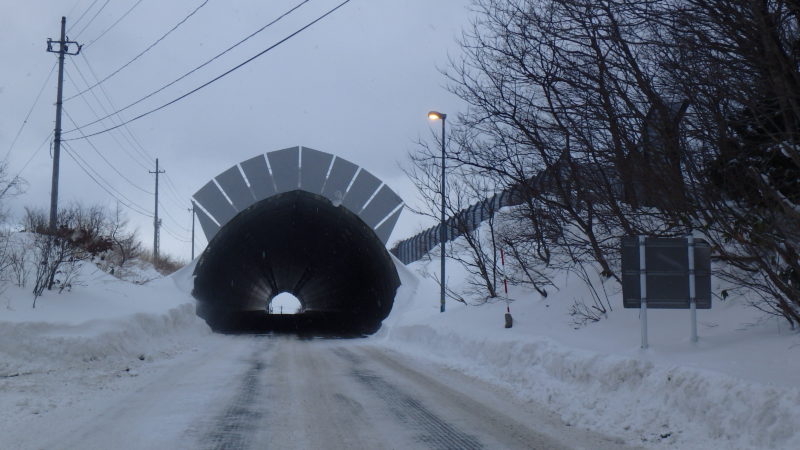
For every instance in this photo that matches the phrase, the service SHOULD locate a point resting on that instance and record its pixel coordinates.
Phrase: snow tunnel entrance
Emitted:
(296, 242)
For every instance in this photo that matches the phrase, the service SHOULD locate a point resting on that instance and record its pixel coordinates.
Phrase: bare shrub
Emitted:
(81, 235)
(19, 268)
(165, 264)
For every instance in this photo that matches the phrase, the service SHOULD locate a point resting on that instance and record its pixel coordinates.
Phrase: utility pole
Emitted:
(156, 222)
(192, 211)
(63, 49)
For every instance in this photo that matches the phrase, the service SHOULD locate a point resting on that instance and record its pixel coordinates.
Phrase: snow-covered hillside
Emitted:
(737, 388)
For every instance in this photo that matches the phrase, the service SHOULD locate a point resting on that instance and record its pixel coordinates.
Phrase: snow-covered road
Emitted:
(237, 392)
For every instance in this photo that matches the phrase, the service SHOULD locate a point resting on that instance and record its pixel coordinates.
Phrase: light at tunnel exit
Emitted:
(284, 303)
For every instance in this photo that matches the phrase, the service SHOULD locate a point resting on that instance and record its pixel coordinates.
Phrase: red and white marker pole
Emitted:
(505, 280)
(503, 262)
(509, 320)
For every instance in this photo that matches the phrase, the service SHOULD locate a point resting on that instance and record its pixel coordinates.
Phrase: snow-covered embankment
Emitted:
(722, 393)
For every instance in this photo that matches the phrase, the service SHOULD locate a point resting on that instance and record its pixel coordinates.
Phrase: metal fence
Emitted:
(467, 220)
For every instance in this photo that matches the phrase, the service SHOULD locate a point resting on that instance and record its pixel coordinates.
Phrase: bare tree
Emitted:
(566, 112)
(474, 250)
(9, 187)
(621, 117)
(738, 65)
(126, 245)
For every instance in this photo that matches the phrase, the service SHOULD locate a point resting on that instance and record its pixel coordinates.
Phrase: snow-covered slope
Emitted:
(736, 388)
(101, 318)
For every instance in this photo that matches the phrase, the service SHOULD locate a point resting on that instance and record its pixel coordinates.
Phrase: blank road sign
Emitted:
(667, 272)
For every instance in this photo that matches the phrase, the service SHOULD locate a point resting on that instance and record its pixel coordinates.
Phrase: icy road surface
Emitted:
(240, 392)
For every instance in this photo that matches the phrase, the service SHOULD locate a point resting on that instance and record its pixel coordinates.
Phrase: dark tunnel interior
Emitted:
(296, 242)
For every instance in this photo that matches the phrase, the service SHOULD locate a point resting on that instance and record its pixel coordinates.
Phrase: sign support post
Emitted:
(692, 288)
(643, 289)
(666, 273)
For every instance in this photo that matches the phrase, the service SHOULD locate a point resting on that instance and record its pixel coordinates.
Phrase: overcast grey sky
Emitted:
(357, 84)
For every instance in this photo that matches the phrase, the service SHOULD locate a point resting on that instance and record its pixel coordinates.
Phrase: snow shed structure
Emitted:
(300, 221)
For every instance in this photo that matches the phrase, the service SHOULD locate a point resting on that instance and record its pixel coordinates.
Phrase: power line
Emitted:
(228, 72)
(137, 145)
(291, 10)
(130, 202)
(82, 15)
(174, 220)
(174, 235)
(91, 108)
(207, 62)
(14, 181)
(100, 154)
(176, 197)
(74, 5)
(157, 41)
(132, 206)
(24, 166)
(123, 16)
(176, 203)
(30, 111)
(100, 103)
(92, 19)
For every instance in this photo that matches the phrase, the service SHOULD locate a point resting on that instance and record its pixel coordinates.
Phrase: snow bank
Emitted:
(33, 347)
(641, 401)
(100, 318)
(736, 388)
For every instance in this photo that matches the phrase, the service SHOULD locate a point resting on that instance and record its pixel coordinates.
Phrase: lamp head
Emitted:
(436, 115)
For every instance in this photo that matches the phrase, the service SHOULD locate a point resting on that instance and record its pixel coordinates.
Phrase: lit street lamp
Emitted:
(435, 115)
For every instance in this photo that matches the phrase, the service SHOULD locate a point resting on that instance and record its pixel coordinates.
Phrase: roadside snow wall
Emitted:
(658, 406)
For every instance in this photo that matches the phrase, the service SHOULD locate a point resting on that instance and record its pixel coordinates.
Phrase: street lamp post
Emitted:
(435, 115)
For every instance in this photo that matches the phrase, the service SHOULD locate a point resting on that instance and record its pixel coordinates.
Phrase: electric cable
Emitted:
(174, 236)
(36, 152)
(30, 111)
(140, 152)
(100, 154)
(123, 16)
(174, 203)
(176, 197)
(113, 136)
(171, 217)
(214, 58)
(92, 19)
(81, 16)
(75, 157)
(136, 144)
(150, 47)
(24, 166)
(109, 187)
(72, 9)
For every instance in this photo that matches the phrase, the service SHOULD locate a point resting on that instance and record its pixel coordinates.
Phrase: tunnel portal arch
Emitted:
(302, 221)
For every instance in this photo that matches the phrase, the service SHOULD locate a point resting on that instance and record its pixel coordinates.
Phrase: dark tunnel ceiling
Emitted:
(296, 242)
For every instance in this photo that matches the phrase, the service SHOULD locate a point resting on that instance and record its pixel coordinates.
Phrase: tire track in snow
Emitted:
(433, 432)
(235, 427)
